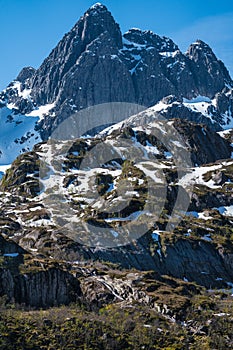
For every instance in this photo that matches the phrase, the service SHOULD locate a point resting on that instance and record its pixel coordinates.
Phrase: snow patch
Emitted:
(17, 135)
(41, 111)
(12, 255)
(169, 54)
(226, 211)
(3, 169)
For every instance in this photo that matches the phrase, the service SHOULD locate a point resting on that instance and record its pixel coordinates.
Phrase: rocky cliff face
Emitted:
(8, 247)
(211, 74)
(96, 28)
(48, 288)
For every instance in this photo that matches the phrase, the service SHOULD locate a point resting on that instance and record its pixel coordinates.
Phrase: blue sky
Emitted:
(31, 28)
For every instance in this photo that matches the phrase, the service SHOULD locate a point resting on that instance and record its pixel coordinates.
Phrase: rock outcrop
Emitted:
(210, 73)
(48, 288)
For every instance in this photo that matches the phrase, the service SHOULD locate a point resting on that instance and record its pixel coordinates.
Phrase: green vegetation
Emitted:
(112, 327)
(168, 313)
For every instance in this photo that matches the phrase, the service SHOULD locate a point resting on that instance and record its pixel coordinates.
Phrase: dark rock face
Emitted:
(224, 104)
(99, 77)
(157, 67)
(9, 247)
(210, 200)
(48, 81)
(206, 146)
(210, 73)
(198, 261)
(25, 74)
(42, 289)
(20, 178)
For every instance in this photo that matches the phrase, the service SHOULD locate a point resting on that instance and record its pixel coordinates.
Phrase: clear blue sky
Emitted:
(31, 28)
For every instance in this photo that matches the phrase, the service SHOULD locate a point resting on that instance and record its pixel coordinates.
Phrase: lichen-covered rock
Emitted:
(23, 176)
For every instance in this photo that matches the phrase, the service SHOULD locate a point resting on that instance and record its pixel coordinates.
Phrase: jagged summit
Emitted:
(96, 24)
(201, 43)
(94, 63)
(211, 71)
(97, 7)
(150, 39)
(25, 73)
(96, 20)
(198, 48)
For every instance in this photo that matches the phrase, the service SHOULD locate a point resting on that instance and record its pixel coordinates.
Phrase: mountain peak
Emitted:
(98, 6)
(210, 71)
(199, 44)
(25, 73)
(148, 38)
(199, 51)
(97, 9)
(96, 20)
